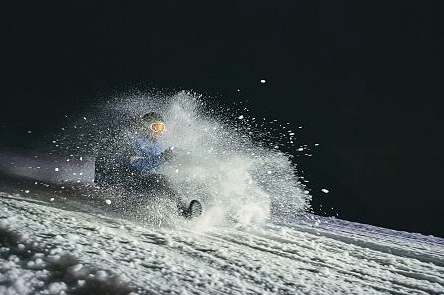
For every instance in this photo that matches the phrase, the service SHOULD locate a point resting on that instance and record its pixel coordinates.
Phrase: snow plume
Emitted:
(216, 160)
(226, 168)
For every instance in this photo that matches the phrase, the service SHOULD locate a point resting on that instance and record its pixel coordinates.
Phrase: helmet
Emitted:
(152, 116)
(153, 123)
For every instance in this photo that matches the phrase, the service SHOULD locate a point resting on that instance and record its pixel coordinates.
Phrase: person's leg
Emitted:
(159, 185)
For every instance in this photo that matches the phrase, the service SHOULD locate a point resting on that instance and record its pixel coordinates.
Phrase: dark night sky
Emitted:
(365, 79)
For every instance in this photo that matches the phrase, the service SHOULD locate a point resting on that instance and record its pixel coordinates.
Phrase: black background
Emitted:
(363, 78)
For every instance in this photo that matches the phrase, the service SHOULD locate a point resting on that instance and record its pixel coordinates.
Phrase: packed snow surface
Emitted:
(64, 247)
(62, 234)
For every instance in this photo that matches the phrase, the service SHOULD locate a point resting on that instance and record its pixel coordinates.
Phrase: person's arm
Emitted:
(146, 158)
(146, 163)
(167, 155)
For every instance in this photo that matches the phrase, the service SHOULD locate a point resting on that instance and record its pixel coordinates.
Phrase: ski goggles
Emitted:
(157, 127)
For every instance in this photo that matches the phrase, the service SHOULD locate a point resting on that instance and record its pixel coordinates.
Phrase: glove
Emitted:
(167, 155)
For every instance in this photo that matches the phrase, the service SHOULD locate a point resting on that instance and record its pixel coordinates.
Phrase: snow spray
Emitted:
(217, 161)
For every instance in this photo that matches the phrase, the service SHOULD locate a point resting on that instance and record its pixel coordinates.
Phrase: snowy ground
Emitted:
(63, 247)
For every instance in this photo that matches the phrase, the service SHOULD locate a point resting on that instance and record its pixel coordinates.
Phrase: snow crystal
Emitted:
(56, 169)
(39, 262)
(57, 288)
(30, 264)
(81, 283)
(240, 117)
(324, 190)
(76, 268)
(325, 271)
(101, 275)
(263, 81)
(27, 191)
(108, 201)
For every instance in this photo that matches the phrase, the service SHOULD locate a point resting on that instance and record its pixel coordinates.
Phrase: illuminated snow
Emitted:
(54, 250)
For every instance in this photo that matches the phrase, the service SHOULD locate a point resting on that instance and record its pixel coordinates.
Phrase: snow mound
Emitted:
(30, 267)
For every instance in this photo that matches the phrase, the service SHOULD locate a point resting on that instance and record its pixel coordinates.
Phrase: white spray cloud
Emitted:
(217, 161)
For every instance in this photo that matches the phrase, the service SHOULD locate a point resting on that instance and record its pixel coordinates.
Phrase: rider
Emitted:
(149, 151)
(141, 167)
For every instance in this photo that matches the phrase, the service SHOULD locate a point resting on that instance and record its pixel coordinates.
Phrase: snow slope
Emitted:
(63, 247)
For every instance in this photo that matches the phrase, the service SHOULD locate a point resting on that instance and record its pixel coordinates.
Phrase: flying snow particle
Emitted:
(263, 81)
(316, 144)
(108, 201)
(52, 199)
(324, 190)
(240, 117)
(56, 169)
(29, 131)
(27, 191)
